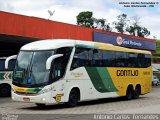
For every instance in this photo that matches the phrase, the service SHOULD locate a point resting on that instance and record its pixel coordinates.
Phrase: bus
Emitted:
(68, 71)
(6, 77)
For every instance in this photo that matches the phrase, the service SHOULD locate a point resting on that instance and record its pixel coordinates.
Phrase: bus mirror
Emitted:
(50, 59)
(8, 59)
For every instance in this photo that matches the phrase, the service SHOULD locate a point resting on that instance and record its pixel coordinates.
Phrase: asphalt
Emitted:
(148, 104)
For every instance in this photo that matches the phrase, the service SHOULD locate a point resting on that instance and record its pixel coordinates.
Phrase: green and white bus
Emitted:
(6, 76)
(69, 71)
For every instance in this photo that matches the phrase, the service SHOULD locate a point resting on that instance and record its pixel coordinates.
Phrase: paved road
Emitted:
(149, 103)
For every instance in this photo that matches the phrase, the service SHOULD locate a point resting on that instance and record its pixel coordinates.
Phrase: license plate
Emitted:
(26, 99)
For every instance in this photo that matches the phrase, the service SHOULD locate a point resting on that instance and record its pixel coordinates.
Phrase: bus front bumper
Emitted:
(44, 98)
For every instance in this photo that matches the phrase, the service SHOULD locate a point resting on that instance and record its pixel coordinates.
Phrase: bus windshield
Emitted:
(30, 68)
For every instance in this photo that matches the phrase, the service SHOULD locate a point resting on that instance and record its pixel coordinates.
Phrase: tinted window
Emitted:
(121, 59)
(59, 64)
(97, 58)
(11, 65)
(148, 60)
(108, 58)
(81, 58)
(2, 68)
(132, 60)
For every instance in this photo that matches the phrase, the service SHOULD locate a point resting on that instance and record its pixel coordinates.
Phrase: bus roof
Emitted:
(58, 43)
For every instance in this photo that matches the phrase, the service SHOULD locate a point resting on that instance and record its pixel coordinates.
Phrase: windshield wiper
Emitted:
(26, 72)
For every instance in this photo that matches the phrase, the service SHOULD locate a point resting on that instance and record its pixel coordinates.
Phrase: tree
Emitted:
(102, 24)
(120, 25)
(85, 19)
(143, 32)
(136, 29)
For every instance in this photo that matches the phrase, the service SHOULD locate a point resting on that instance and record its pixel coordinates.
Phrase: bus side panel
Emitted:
(91, 81)
(103, 82)
(122, 77)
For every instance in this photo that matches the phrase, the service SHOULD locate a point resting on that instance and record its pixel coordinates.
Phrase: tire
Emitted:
(73, 98)
(40, 105)
(129, 93)
(5, 90)
(137, 92)
(157, 84)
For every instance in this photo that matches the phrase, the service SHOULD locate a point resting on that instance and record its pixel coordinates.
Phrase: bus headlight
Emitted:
(12, 98)
(43, 99)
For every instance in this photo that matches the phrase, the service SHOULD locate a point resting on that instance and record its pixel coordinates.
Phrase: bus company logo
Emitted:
(119, 40)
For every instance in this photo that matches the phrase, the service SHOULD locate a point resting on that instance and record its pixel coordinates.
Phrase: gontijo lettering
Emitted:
(127, 73)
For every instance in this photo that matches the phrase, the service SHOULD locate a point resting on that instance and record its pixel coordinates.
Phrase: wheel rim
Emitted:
(73, 98)
(129, 94)
(136, 92)
(4, 91)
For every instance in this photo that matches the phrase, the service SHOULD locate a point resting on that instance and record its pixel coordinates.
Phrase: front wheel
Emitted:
(5, 91)
(73, 98)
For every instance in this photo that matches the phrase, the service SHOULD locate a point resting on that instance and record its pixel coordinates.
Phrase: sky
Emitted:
(67, 10)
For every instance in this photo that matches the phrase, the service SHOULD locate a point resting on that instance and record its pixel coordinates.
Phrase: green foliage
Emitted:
(85, 19)
(120, 25)
(141, 31)
(102, 24)
(157, 53)
(136, 29)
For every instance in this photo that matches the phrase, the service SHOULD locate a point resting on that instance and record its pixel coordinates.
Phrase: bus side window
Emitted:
(97, 58)
(108, 58)
(59, 64)
(82, 58)
(2, 63)
(66, 51)
(121, 59)
(133, 60)
(148, 60)
(12, 64)
(57, 70)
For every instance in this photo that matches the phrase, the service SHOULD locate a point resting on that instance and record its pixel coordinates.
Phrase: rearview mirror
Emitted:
(8, 59)
(50, 59)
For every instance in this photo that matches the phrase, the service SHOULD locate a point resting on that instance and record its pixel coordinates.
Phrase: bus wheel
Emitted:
(73, 98)
(137, 92)
(5, 90)
(129, 93)
(40, 105)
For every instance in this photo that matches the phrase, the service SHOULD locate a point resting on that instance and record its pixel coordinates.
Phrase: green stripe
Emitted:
(96, 79)
(10, 75)
(3, 73)
(34, 89)
(2, 76)
(101, 79)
